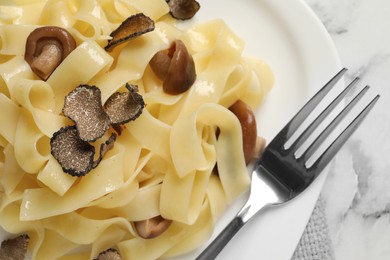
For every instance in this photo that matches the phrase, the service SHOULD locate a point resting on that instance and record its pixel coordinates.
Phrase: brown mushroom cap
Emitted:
(183, 9)
(46, 48)
(151, 228)
(249, 129)
(175, 67)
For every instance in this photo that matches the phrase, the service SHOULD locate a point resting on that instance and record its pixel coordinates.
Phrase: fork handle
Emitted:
(222, 239)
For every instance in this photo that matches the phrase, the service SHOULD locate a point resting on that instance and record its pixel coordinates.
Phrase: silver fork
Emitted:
(278, 174)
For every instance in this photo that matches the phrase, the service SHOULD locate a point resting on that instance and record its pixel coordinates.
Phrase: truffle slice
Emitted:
(132, 27)
(15, 248)
(183, 9)
(73, 154)
(124, 107)
(83, 105)
(104, 148)
(109, 254)
(76, 156)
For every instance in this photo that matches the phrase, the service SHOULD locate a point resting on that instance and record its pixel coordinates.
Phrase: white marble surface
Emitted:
(357, 191)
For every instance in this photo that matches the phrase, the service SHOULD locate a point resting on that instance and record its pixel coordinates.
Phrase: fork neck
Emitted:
(285, 170)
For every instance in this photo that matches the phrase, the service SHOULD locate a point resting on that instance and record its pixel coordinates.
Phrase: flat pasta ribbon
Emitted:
(182, 159)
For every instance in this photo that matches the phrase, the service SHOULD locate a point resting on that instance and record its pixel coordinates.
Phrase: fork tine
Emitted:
(297, 120)
(328, 154)
(305, 134)
(320, 139)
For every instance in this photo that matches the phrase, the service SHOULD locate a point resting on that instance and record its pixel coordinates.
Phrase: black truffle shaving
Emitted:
(15, 248)
(109, 254)
(73, 154)
(70, 145)
(104, 148)
(132, 27)
(183, 9)
(121, 108)
(76, 156)
(83, 105)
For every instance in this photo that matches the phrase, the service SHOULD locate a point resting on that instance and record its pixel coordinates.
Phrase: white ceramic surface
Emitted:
(288, 36)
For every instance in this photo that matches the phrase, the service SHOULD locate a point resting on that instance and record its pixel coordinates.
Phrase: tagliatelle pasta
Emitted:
(162, 163)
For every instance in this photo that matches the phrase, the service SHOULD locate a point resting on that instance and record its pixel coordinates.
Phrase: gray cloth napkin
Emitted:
(315, 243)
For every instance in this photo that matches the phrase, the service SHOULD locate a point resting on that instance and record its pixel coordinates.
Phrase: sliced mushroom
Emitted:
(249, 129)
(15, 248)
(160, 63)
(153, 227)
(46, 48)
(183, 9)
(132, 27)
(175, 67)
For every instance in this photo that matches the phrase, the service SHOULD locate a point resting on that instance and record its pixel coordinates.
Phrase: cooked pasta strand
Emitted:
(181, 159)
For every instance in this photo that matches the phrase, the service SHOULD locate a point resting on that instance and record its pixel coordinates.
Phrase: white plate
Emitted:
(288, 36)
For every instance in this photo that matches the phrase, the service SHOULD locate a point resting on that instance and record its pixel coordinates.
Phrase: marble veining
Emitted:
(357, 191)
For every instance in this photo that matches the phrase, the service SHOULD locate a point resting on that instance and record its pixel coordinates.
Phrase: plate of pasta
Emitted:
(118, 137)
